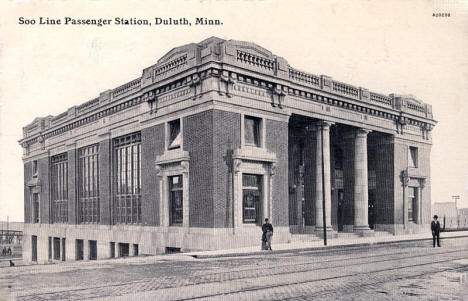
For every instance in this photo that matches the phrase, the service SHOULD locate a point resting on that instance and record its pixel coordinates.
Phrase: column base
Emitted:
(364, 231)
(330, 232)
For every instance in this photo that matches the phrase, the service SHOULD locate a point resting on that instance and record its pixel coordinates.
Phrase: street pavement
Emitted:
(411, 270)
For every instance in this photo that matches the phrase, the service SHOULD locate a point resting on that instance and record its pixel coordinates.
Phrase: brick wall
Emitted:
(152, 145)
(277, 142)
(198, 140)
(104, 182)
(27, 192)
(226, 138)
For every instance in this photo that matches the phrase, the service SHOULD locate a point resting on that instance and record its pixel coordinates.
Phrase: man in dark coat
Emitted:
(267, 230)
(435, 228)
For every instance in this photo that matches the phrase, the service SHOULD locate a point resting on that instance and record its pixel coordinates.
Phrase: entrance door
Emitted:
(34, 248)
(251, 199)
(56, 248)
(79, 249)
(123, 250)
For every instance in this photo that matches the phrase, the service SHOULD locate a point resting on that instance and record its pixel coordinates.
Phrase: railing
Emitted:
(254, 60)
(300, 76)
(174, 64)
(380, 98)
(88, 104)
(133, 85)
(345, 89)
(416, 107)
(55, 119)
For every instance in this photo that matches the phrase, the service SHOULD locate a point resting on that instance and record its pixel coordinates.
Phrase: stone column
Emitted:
(361, 188)
(422, 182)
(322, 127)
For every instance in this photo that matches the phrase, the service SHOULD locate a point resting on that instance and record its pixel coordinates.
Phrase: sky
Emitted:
(385, 46)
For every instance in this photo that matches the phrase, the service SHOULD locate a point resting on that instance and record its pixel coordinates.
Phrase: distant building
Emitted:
(210, 140)
(447, 211)
(463, 218)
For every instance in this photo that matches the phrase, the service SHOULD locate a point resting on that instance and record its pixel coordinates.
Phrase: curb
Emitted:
(318, 249)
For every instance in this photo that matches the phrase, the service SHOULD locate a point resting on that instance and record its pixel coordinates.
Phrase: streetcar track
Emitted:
(328, 291)
(249, 277)
(264, 287)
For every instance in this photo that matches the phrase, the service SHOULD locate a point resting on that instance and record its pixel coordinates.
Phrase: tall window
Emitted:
(176, 200)
(412, 200)
(252, 131)
(59, 188)
(413, 156)
(127, 179)
(88, 184)
(34, 168)
(175, 135)
(35, 208)
(251, 198)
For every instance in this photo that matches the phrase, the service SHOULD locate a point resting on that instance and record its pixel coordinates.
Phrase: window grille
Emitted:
(59, 188)
(127, 179)
(88, 184)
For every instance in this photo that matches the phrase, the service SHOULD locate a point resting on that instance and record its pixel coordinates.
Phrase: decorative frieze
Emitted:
(228, 81)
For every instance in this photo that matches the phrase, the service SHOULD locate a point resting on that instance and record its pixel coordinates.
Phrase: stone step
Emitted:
(344, 235)
(304, 237)
(382, 233)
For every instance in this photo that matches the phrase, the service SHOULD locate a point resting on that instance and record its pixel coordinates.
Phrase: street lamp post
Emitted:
(323, 190)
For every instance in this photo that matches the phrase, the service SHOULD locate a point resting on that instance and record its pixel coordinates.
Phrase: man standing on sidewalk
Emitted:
(435, 228)
(267, 230)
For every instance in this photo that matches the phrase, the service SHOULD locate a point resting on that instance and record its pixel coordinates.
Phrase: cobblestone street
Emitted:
(400, 271)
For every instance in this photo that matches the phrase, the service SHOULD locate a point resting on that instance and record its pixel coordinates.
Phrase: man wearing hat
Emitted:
(267, 230)
(435, 228)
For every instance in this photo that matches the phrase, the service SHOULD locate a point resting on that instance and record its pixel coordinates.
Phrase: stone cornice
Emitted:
(236, 63)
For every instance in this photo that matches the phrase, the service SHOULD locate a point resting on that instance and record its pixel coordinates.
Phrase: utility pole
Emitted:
(456, 198)
(323, 190)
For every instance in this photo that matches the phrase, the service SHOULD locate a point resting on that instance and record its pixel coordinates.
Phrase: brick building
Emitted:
(463, 218)
(447, 213)
(209, 141)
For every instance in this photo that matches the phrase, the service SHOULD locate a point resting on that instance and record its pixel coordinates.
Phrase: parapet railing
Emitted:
(130, 86)
(304, 77)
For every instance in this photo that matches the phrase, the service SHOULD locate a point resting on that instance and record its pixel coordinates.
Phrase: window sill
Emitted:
(172, 156)
(254, 153)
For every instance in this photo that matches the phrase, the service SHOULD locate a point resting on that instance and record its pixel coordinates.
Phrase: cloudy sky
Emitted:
(385, 46)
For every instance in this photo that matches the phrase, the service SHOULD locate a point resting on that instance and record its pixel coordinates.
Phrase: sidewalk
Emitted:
(331, 244)
(247, 251)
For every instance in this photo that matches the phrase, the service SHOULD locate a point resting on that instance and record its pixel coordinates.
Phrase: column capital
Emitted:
(360, 132)
(317, 125)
